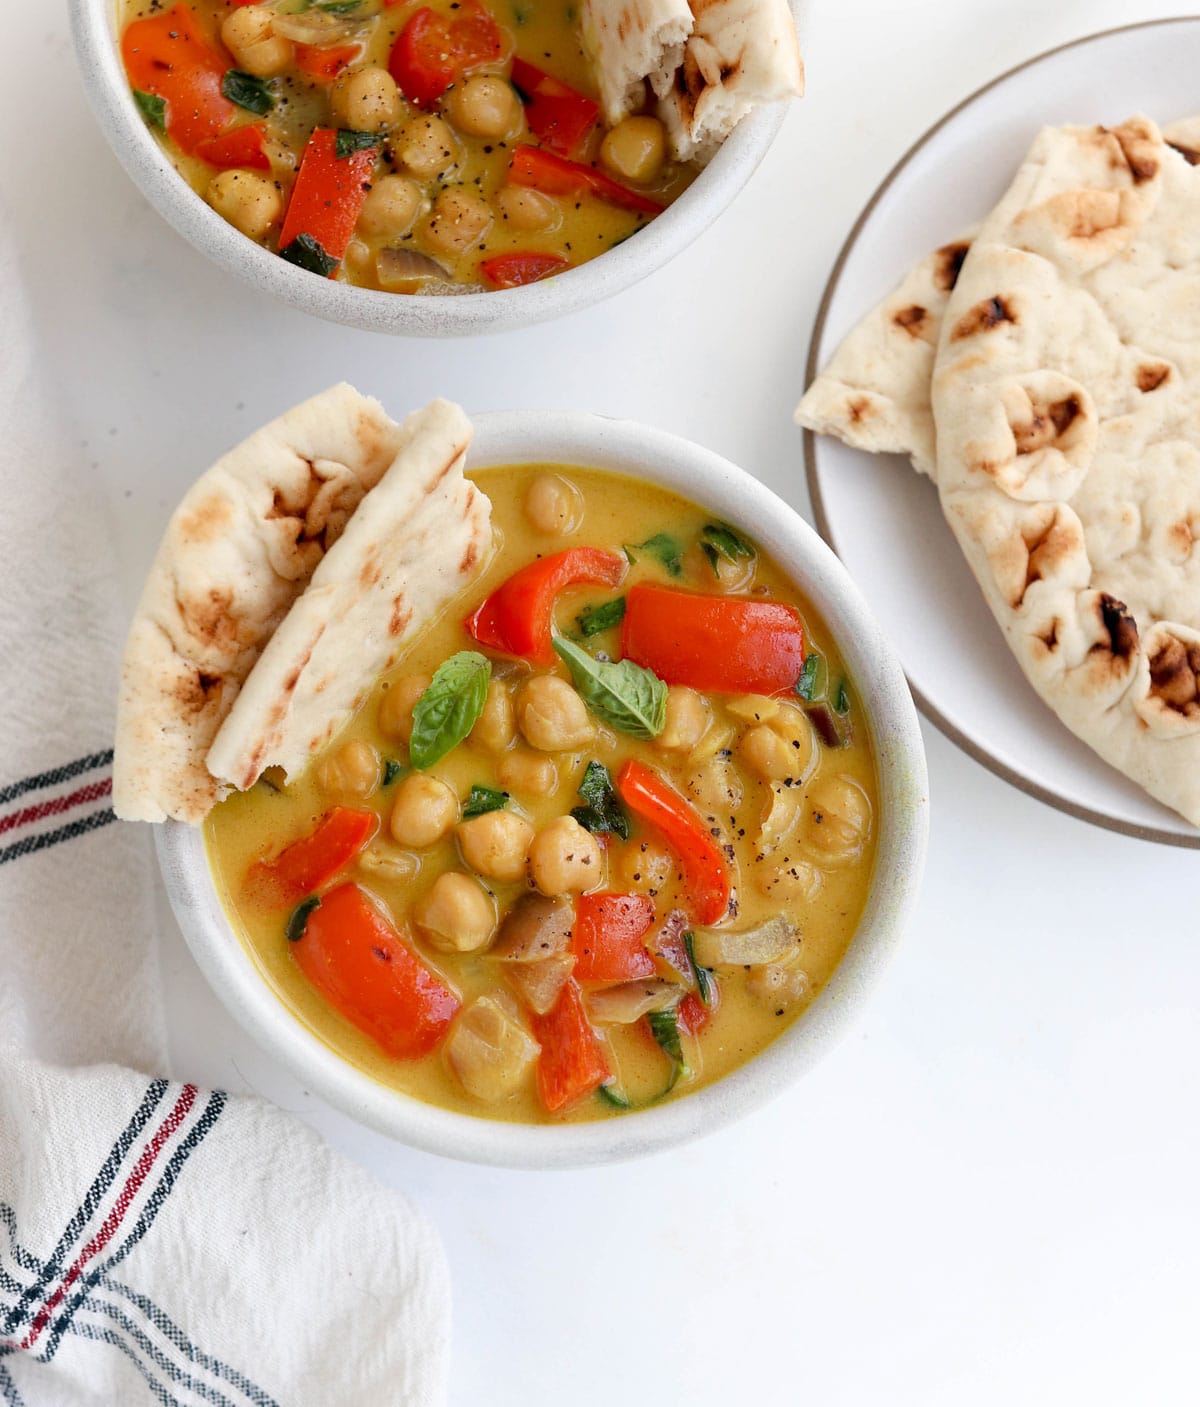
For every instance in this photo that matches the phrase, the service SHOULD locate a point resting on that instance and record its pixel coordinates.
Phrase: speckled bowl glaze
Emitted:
(573, 438)
(93, 23)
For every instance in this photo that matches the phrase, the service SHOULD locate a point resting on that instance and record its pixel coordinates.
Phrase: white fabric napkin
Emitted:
(158, 1242)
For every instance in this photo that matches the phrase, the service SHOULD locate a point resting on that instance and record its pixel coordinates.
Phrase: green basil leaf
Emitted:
(152, 107)
(720, 539)
(603, 811)
(841, 698)
(391, 771)
(484, 799)
(627, 697)
(702, 975)
(593, 619)
(298, 920)
(610, 1094)
(348, 140)
(664, 1027)
(307, 253)
(811, 684)
(664, 548)
(446, 712)
(338, 7)
(247, 91)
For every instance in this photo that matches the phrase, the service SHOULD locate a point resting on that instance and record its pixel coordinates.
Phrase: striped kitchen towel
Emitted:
(158, 1242)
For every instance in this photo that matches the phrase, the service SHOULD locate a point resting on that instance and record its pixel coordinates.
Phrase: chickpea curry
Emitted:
(413, 148)
(600, 836)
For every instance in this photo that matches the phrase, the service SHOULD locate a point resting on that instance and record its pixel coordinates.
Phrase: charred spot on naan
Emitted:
(1139, 146)
(208, 520)
(914, 320)
(1152, 375)
(984, 317)
(948, 262)
(1189, 154)
(1048, 545)
(1175, 676)
(1118, 640)
(209, 619)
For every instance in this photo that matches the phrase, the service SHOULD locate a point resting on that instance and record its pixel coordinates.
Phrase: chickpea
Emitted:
(635, 149)
(250, 202)
(716, 787)
(565, 859)
(352, 771)
(527, 772)
(528, 210)
(795, 729)
(366, 99)
(837, 820)
(427, 146)
(687, 719)
(392, 205)
(485, 106)
(495, 844)
(250, 37)
(645, 865)
(495, 727)
(752, 708)
(789, 881)
(457, 915)
(776, 986)
(551, 715)
(768, 755)
(424, 811)
(553, 505)
(458, 220)
(396, 708)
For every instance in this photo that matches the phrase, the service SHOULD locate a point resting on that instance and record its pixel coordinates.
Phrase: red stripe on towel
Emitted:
(92, 792)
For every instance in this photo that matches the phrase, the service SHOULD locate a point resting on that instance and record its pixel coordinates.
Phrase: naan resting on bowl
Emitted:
(238, 556)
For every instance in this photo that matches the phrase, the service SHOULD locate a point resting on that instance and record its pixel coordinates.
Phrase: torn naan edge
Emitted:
(874, 393)
(739, 55)
(418, 538)
(1066, 394)
(630, 41)
(237, 552)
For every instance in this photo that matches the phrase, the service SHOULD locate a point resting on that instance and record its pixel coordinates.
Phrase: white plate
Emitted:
(881, 518)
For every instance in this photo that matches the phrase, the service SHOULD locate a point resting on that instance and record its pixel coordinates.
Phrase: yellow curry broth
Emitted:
(618, 512)
(545, 33)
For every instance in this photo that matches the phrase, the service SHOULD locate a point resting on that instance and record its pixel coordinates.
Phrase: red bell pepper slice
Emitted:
(312, 861)
(241, 147)
(559, 116)
(691, 1015)
(361, 965)
(725, 644)
(555, 175)
(324, 64)
(169, 56)
(514, 270)
(607, 938)
(328, 194)
(660, 806)
(516, 618)
(572, 1061)
(433, 51)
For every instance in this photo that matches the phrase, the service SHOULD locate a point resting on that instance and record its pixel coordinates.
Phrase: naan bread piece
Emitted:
(631, 41)
(237, 552)
(874, 394)
(418, 538)
(739, 55)
(1066, 395)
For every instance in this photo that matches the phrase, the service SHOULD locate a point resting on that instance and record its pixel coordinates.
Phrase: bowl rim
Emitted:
(623, 447)
(139, 152)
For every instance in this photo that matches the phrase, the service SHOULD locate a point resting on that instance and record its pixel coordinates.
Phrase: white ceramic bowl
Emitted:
(93, 23)
(572, 438)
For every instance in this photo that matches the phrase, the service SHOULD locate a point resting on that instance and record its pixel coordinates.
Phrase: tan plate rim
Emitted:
(923, 702)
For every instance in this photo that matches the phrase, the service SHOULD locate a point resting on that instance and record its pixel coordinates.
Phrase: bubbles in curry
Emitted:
(441, 148)
(603, 832)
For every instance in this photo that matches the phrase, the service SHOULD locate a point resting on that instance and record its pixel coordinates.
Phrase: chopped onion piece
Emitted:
(393, 266)
(489, 1049)
(623, 1005)
(534, 929)
(780, 816)
(770, 941)
(539, 983)
(315, 27)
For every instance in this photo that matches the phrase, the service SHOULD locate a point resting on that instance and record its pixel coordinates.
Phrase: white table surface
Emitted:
(988, 1193)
